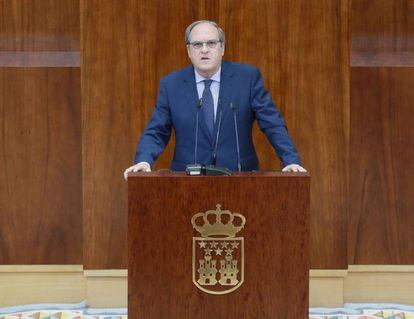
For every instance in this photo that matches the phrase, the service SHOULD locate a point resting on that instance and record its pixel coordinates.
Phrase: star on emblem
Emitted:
(218, 251)
(213, 244)
(229, 251)
(202, 244)
(224, 244)
(234, 245)
(208, 251)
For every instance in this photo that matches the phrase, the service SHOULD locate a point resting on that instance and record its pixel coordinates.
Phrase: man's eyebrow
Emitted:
(195, 41)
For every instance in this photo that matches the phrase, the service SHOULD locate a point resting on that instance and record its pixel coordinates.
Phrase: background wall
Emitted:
(381, 205)
(40, 133)
(67, 133)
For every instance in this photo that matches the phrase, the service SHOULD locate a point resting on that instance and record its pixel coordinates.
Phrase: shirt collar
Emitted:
(215, 77)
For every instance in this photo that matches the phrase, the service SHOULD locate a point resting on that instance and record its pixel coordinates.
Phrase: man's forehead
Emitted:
(203, 30)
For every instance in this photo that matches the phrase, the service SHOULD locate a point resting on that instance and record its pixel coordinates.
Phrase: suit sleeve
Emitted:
(157, 133)
(271, 122)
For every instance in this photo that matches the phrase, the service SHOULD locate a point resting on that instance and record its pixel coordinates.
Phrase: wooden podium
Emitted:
(268, 258)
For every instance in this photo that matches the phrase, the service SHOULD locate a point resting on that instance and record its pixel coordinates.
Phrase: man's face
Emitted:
(206, 60)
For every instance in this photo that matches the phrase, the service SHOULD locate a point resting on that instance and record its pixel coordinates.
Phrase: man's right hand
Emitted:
(140, 167)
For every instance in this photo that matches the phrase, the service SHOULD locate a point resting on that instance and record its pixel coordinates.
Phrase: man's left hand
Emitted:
(293, 168)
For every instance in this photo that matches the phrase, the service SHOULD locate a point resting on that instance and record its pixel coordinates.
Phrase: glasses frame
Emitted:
(211, 44)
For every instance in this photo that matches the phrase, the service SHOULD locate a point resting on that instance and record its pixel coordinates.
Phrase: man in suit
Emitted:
(211, 105)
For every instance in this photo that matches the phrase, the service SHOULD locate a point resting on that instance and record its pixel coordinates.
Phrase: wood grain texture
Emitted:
(39, 59)
(383, 59)
(110, 83)
(127, 47)
(276, 237)
(382, 27)
(40, 179)
(381, 220)
(301, 49)
(39, 25)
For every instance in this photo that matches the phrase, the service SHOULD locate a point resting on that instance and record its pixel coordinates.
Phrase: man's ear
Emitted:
(188, 51)
(222, 52)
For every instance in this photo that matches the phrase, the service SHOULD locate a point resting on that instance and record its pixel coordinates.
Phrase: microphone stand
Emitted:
(233, 107)
(200, 104)
(202, 169)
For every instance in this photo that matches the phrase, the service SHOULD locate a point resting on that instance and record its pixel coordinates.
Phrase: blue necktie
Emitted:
(208, 106)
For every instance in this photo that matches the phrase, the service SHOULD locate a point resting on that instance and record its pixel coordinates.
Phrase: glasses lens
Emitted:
(197, 45)
(211, 44)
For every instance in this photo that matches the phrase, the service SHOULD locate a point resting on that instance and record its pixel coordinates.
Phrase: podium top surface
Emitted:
(169, 173)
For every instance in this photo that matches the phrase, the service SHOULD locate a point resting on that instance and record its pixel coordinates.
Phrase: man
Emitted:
(211, 106)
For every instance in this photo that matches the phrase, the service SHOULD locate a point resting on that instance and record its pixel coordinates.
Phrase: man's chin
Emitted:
(206, 70)
(205, 66)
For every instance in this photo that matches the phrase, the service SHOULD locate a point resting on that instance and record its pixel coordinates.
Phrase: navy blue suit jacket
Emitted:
(177, 106)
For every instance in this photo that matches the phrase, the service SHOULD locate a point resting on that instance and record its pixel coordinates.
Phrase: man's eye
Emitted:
(198, 44)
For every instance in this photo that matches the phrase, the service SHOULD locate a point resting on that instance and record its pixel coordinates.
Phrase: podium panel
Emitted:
(184, 269)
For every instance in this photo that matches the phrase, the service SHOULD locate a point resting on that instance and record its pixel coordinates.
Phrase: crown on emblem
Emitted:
(217, 227)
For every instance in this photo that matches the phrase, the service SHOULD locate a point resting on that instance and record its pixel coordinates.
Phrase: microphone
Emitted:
(199, 105)
(233, 108)
(214, 155)
(202, 169)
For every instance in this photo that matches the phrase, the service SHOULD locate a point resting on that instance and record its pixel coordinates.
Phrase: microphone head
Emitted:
(200, 103)
(232, 106)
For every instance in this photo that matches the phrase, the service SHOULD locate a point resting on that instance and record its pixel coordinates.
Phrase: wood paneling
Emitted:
(301, 49)
(38, 25)
(382, 31)
(40, 179)
(127, 47)
(110, 80)
(276, 254)
(389, 59)
(39, 59)
(381, 220)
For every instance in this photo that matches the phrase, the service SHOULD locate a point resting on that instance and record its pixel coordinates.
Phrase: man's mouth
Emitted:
(205, 59)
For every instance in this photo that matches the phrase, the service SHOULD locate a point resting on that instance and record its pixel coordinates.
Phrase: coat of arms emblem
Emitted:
(218, 255)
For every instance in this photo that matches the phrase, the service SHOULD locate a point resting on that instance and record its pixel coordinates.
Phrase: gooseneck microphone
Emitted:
(214, 155)
(199, 105)
(203, 169)
(233, 108)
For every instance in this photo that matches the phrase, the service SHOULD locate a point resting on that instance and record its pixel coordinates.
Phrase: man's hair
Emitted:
(221, 35)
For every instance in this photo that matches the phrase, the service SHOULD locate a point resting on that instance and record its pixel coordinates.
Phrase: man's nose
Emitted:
(204, 48)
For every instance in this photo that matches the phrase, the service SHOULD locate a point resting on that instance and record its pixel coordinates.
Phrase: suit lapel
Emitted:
(192, 99)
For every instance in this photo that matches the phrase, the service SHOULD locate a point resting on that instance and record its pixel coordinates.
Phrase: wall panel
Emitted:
(301, 48)
(381, 220)
(382, 33)
(40, 133)
(40, 179)
(37, 25)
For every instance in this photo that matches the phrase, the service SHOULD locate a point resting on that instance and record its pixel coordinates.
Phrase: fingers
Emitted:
(287, 168)
(301, 169)
(136, 168)
(126, 172)
(293, 168)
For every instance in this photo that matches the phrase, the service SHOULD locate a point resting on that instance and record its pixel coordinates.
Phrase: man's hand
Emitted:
(140, 167)
(293, 168)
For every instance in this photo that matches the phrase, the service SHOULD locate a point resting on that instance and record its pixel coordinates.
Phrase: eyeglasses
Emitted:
(210, 44)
